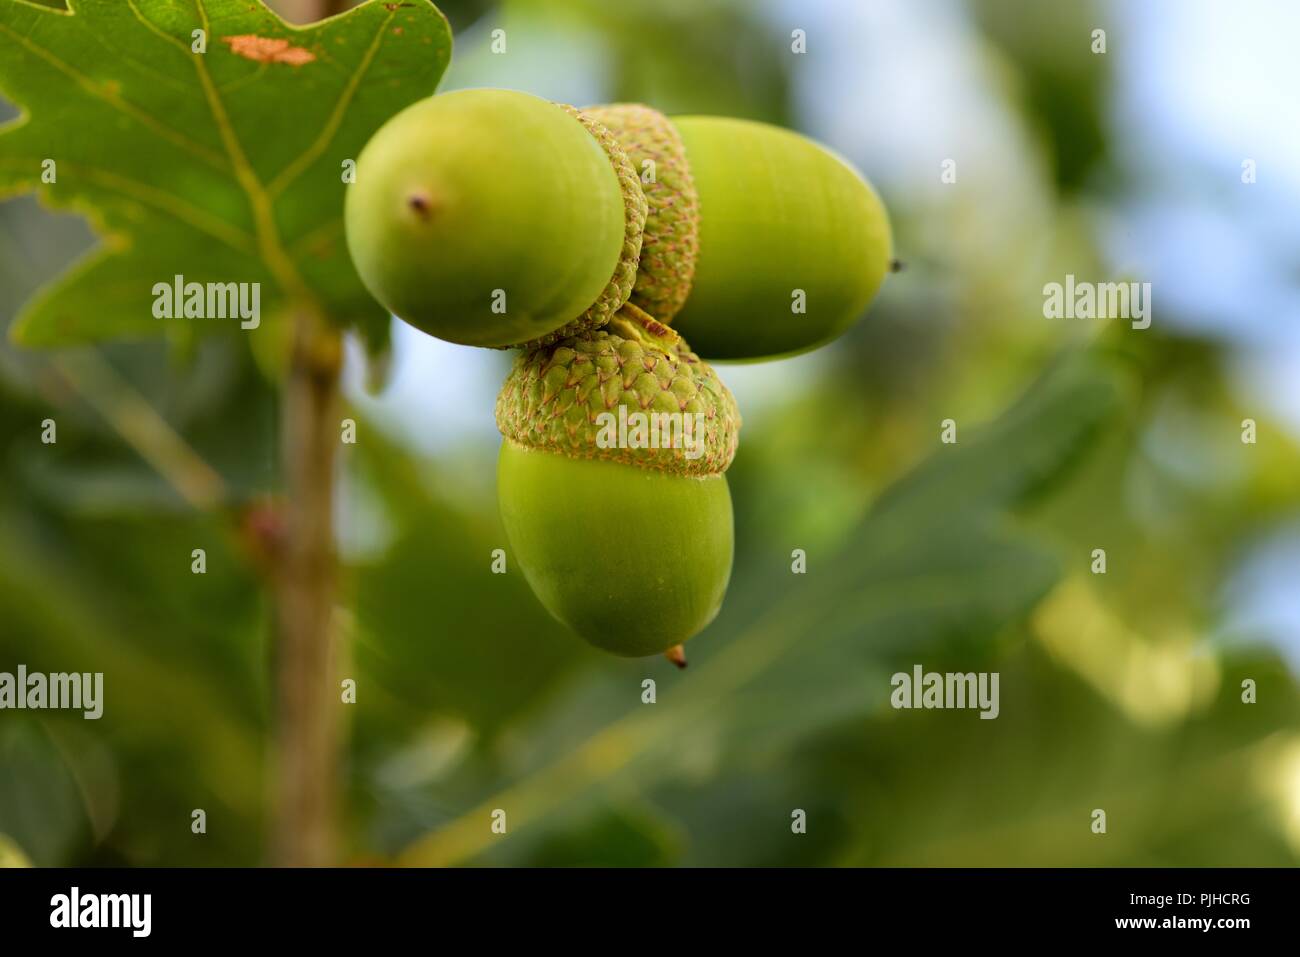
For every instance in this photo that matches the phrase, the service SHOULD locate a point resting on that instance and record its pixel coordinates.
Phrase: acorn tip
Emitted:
(420, 204)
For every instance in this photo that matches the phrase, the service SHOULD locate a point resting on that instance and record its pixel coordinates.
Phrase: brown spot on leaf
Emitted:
(269, 50)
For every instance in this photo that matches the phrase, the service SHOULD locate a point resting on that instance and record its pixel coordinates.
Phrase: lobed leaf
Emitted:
(219, 166)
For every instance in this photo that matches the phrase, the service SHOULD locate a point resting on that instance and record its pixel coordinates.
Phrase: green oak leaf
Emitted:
(225, 165)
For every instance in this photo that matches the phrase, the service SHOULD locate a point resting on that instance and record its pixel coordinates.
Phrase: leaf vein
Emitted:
(154, 28)
(331, 128)
(277, 260)
(140, 116)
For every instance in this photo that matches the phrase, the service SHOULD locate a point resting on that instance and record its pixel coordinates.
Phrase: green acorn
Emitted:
(490, 218)
(794, 243)
(759, 242)
(611, 483)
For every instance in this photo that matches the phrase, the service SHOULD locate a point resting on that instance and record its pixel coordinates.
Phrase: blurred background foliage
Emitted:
(1119, 691)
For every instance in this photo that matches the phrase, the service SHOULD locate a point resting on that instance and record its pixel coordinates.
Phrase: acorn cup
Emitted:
(494, 218)
(611, 484)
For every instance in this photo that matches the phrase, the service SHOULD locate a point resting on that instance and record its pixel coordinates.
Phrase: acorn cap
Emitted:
(603, 394)
(635, 208)
(671, 242)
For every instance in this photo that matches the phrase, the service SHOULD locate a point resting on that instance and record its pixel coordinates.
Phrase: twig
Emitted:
(307, 706)
(307, 729)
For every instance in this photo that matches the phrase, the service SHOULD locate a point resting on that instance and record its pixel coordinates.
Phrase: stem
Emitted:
(306, 701)
(632, 322)
(307, 727)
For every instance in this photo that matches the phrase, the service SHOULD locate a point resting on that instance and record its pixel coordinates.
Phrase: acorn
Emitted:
(492, 218)
(793, 243)
(611, 483)
(759, 243)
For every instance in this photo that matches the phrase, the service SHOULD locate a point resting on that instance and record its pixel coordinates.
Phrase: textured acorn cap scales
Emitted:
(671, 243)
(635, 209)
(554, 396)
